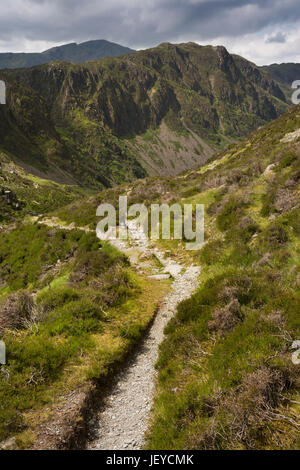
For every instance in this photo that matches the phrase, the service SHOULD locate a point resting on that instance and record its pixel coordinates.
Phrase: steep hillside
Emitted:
(22, 193)
(226, 375)
(71, 311)
(159, 111)
(285, 74)
(90, 50)
(77, 151)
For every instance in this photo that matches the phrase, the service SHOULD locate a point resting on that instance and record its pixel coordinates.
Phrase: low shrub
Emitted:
(231, 213)
(275, 235)
(15, 309)
(50, 299)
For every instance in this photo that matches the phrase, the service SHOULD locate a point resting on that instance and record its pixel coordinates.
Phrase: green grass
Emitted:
(226, 377)
(83, 320)
(44, 247)
(31, 195)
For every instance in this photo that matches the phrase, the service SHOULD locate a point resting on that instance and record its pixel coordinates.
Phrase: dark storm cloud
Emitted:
(277, 37)
(140, 23)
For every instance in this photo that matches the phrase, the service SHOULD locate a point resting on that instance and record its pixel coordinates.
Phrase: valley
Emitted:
(154, 112)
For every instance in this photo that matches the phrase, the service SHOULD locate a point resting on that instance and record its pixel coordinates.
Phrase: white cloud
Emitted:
(255, 48)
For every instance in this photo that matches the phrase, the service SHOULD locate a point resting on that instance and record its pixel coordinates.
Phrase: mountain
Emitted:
(158, 111)
(285, 74)
(72, 52)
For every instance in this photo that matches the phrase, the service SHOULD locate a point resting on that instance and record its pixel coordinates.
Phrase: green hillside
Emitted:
(73, 308)
(226, 376)
(285, 74)
(22, 193)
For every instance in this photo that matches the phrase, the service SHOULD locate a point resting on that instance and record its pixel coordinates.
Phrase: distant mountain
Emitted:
(283, 73)
(76, 53)
(156, 112)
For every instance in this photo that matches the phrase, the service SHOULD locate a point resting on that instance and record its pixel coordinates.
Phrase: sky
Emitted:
(263, 31)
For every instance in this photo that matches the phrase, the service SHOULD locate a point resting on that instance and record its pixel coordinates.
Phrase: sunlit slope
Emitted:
(226, 375)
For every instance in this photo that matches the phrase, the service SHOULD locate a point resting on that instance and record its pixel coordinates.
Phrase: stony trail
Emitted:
(123, 420)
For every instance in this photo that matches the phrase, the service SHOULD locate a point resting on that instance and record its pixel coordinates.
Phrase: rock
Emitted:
(145, 255)
(269, 169)
(173, 269)
(160, 277)
(291, 136)
(265, 260)
(293, 269)
(9, 444)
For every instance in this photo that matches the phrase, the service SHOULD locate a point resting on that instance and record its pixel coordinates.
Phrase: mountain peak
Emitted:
(71, 52)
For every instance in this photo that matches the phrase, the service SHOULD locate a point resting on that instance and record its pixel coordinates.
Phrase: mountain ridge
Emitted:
(158, 111)
(284, 73)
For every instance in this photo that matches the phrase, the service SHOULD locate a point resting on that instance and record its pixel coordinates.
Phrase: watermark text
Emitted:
(160, 221)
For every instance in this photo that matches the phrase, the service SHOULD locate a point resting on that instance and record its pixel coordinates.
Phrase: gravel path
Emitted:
(123, 421)
(124, 418)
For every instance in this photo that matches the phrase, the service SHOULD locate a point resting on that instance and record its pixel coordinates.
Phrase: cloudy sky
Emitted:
(264, 31)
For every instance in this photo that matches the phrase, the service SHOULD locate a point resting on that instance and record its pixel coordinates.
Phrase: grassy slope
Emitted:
(226, 377)
(69, 314)
(22, 193)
